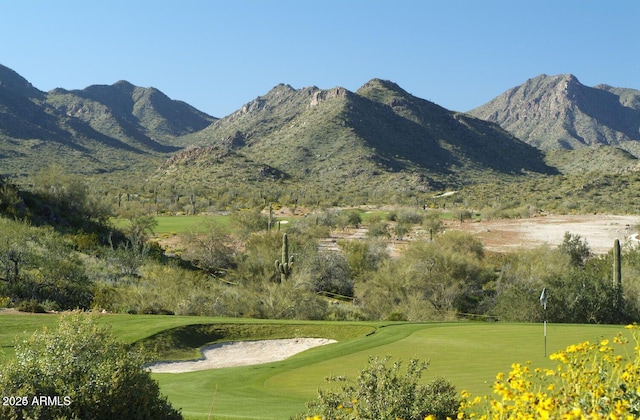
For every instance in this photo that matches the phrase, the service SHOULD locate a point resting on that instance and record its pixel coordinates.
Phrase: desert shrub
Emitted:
(92, 375)
(166, 288)
(326, 218)
(244, 222)
(41, 264)
(287, 300)
(384, 392)
(125, 260)
(262, 249)
(329, 272)
(392, 216)
(401, 229)
(591, 381)
(139, 228)
(256, 264)
(409, 216)
(432, 222)
(430, 280)
(378, 229)
(461, 243)
(364, 257)
(311, 226)
(349, 218)
(30, 305)
(522, 275)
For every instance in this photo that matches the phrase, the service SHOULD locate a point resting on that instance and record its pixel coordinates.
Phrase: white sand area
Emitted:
(241, 353)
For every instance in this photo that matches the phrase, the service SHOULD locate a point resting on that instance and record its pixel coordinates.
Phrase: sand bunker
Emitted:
(241, 353)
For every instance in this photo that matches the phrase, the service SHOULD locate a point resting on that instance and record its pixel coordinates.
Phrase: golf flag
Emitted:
(543, 298)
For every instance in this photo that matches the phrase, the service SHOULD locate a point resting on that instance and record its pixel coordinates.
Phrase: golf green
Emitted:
(467, 354)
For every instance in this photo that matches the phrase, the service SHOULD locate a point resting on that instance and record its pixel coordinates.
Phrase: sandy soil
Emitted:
(241, 353)
(509, 234)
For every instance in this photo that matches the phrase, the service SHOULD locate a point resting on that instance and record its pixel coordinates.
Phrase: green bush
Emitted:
(378, 229)
(382, 392)
(245, 222)
(30, 306)
(84, 373)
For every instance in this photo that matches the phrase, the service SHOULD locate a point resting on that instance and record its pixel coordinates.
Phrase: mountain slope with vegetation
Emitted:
(551, 112)
(97, 129)
(379, 139)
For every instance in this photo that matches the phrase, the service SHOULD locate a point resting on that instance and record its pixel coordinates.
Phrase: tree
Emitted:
(330, 273)
(521, 276)
(67, 200)
(139, 228)
(586, 295)
(577, 249)
(364, 257)
(87, 374)
(62, 187)
(210, 250)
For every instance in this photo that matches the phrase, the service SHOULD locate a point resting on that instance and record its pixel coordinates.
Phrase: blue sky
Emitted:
(217, 55)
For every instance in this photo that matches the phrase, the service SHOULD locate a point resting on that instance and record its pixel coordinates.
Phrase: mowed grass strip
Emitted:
(180, 224)
(173, 225)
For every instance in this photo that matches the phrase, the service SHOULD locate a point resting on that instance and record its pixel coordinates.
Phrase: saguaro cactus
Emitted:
(286, 264)
(617, 274)
(617, 266)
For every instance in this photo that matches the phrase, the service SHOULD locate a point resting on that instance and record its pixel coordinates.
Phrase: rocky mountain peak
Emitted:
(320, 96)
(552, 112)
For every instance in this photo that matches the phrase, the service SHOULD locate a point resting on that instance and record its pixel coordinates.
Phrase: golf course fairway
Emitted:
(469, 355)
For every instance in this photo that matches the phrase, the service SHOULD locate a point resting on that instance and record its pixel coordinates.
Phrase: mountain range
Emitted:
(379, 136)
(97, 129)
(551, 112)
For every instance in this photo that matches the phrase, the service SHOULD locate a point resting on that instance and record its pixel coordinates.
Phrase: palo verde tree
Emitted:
(577, 248)
(87, 371)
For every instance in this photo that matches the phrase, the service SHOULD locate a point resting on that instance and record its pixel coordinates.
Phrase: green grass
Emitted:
(187, 224)
(467, 354)
(180, 224)
(367, 216)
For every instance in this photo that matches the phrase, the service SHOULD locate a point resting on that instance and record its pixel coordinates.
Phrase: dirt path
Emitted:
(598, 230)
(241, 353)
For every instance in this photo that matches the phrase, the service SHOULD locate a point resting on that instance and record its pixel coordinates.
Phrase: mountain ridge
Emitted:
(552, 112)
(379, 135)
(333, 139)
(97, 129)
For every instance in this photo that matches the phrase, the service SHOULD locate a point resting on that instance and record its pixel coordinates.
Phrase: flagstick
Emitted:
(543, 302)
(545, 336)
